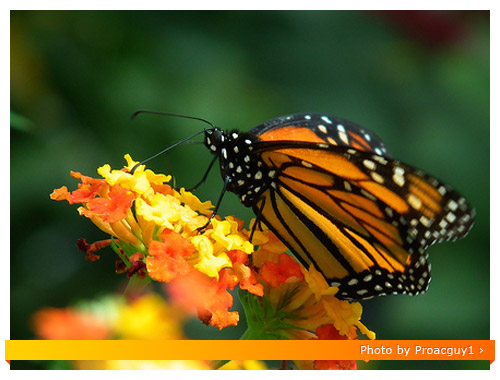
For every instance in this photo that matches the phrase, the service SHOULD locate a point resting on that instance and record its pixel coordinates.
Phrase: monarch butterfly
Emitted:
(331, 192)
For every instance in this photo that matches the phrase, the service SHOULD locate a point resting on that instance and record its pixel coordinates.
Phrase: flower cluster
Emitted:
(156, 232)
(298, 303)
(163, 234)
(148, 316)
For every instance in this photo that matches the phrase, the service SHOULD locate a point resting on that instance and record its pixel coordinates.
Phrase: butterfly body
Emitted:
(330, 191)
(248, 176)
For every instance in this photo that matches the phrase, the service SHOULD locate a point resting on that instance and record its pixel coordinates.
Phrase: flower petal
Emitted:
(113, 209)
(285, 271)
(167, 259)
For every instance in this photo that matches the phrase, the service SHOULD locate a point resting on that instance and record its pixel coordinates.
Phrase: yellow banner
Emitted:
(250, 350)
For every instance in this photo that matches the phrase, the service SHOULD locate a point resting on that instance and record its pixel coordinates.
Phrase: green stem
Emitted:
(135, 285)
(115, 246)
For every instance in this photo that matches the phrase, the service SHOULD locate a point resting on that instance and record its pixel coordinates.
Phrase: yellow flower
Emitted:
(162, 210)
(209, 263)
(192, 201)
(148, 317)
(139, 182)
(343, 313)
(226, 234)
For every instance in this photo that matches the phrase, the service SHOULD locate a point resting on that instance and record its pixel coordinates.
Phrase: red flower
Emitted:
(246, 274)
(277, 274)
(110, 210)
(327, 332)
(87, 190)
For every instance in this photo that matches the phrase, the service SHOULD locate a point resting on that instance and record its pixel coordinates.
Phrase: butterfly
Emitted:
(330, 191)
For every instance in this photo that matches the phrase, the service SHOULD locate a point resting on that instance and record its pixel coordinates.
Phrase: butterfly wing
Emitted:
(363, 219)
(320, 128)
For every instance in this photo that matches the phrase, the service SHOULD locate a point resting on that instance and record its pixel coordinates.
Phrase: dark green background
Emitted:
(77, 76)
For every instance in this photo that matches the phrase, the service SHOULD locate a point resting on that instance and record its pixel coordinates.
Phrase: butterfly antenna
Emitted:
(136, 113)
(166, 150)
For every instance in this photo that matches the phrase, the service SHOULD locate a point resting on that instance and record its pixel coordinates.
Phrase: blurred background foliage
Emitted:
(419, 80)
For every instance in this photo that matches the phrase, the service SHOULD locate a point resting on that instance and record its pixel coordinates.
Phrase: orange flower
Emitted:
(167, 259)
(286, 270)
(60, 324)
(112, 209)
(60, 194)
(207, 297)
(329, 332)
(87, 190)
(247, 275)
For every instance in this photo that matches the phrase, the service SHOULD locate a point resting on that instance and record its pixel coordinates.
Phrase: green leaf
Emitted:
(20, 123)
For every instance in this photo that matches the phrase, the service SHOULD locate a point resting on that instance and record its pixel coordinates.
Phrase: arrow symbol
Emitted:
(480, 350)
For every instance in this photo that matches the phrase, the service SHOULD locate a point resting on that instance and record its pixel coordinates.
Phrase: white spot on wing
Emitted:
(414, 201)
(377, 177)
(452, 205)
(325, 118)
(343, 137)
(398, 179)
(352, 282)
(306, 164)
(369, 164)
(451, 217)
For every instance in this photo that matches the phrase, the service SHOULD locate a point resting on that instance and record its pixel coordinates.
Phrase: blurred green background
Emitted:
(419, 80)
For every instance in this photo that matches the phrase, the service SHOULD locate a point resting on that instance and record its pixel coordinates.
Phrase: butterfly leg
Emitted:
(219, 201)
(204, 176)
(257, 219)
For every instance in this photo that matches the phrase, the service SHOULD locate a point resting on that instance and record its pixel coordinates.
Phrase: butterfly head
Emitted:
(215, 139)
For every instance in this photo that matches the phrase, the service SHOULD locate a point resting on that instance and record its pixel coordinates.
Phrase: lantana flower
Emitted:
(147, 316)
(156, 231)
(164, 235)
(303, 295)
